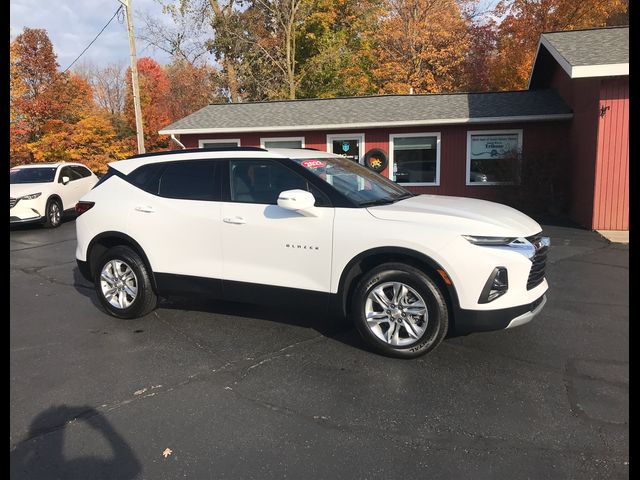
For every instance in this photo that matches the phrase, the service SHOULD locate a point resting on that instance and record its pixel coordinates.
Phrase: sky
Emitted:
(72, 24)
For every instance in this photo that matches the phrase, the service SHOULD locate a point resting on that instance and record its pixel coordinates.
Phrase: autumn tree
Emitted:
(335, 48)
(523, 21)
(42, 99)
(154, 97)
(92, 141)
(191, 88)
(200, 27)
(108, 85)
(185, 38)
(271, 31)
(420, 45)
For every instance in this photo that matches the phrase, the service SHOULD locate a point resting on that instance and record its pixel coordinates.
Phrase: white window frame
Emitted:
(263, 140)
(393, 136)
(348, 136)
(202, 141)
(469, 183)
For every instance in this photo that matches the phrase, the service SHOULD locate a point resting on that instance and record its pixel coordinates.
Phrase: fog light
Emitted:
(496, 286)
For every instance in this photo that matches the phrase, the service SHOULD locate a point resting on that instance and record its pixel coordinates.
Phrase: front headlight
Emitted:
(32, 196)
(489, 241)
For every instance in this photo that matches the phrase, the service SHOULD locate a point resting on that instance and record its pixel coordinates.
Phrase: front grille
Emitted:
(539, 262)
(12, 202)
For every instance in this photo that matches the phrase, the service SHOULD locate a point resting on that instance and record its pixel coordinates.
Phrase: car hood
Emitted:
(17, 190)
(472, 216)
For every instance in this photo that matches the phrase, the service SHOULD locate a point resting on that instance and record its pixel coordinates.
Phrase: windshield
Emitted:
(355, 181)
(32, 175)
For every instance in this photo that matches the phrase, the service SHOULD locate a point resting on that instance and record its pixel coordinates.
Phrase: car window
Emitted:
(262, 181)
(147, 177)
(68, 172)
(191, 180)
(81, 171)
(32, 175)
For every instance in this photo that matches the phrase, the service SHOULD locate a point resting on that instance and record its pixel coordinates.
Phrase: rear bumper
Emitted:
(469, 321)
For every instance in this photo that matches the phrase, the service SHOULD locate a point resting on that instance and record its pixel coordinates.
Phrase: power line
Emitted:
(96, 37)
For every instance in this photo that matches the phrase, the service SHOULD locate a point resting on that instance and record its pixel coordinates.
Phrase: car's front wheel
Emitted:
(53, 214)
(123, 284)
(400, 311)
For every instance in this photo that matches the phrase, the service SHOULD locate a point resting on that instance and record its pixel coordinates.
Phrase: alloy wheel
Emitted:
(396, 313)
(119, 284)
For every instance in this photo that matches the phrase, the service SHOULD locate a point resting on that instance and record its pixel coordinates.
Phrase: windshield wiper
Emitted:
(380, 201)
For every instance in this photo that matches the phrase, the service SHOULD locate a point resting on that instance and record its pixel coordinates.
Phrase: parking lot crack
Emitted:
(279, 353)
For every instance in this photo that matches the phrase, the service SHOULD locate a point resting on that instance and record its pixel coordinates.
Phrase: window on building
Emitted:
(194, 180)
(493, 157)
(219, 143)
(415, 158)
(293, 142)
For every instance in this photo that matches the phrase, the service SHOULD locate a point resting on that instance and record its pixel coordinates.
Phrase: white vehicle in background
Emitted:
(44, 192)
(314, 229)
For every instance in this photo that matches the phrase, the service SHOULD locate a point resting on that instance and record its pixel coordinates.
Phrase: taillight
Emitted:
(82, 207)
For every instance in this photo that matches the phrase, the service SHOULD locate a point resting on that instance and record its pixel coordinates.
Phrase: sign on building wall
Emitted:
(493, 157)
(488, 146)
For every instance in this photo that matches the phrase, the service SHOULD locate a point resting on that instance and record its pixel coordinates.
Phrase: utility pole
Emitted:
(134, 76)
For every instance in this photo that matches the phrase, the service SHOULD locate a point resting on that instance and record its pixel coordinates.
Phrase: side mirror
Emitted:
(65, 180)
(299, 201)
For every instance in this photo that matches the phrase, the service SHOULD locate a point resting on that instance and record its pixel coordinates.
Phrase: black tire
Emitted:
(438, 314)
(145, 300)
(53, 213)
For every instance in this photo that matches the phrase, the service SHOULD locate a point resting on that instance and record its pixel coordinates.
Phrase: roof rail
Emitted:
(193, 150)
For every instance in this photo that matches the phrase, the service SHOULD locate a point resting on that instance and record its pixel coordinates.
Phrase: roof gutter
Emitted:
(345, 126)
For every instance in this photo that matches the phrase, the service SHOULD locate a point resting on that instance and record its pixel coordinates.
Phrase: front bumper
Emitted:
(26, 211)
(469, 321)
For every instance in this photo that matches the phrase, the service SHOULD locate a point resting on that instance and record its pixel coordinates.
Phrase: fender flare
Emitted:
(354, 268)
(126, 239)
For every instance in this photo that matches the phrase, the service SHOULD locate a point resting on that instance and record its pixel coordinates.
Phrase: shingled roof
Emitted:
(595, 52)
(374, 111)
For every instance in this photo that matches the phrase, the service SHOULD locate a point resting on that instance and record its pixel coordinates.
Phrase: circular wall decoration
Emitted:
(376, 160)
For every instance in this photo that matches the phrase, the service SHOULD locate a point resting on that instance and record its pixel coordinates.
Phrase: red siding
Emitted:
(582, 96)
(611, 195)
(537, 137)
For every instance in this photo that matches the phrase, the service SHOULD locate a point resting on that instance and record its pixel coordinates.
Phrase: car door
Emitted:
(174, 214)
(87, 179)
(263, 244)
(72, 191)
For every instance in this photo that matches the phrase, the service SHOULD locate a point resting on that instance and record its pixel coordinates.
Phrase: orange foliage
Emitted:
(91, 141)
(524, 21)
(154, 98)
(420, 45)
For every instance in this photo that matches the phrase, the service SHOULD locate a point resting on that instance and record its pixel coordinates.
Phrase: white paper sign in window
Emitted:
(493, 157)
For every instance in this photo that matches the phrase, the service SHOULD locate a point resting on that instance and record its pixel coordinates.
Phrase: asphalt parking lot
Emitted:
(236, 391)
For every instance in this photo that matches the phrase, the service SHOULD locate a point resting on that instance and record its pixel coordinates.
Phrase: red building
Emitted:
(468, 144)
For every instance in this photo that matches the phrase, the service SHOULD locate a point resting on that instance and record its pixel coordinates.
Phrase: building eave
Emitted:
(351, 126)
(578, 71)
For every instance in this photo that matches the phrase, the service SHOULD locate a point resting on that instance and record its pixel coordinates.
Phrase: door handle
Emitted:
(234, 220)
(144, 209)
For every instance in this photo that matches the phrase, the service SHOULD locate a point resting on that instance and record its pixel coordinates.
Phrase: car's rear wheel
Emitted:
(53, 213)
(123, 284)
(400, 311)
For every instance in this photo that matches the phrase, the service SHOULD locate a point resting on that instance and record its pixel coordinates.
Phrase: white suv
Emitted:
(309, 228)
(43, 192)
